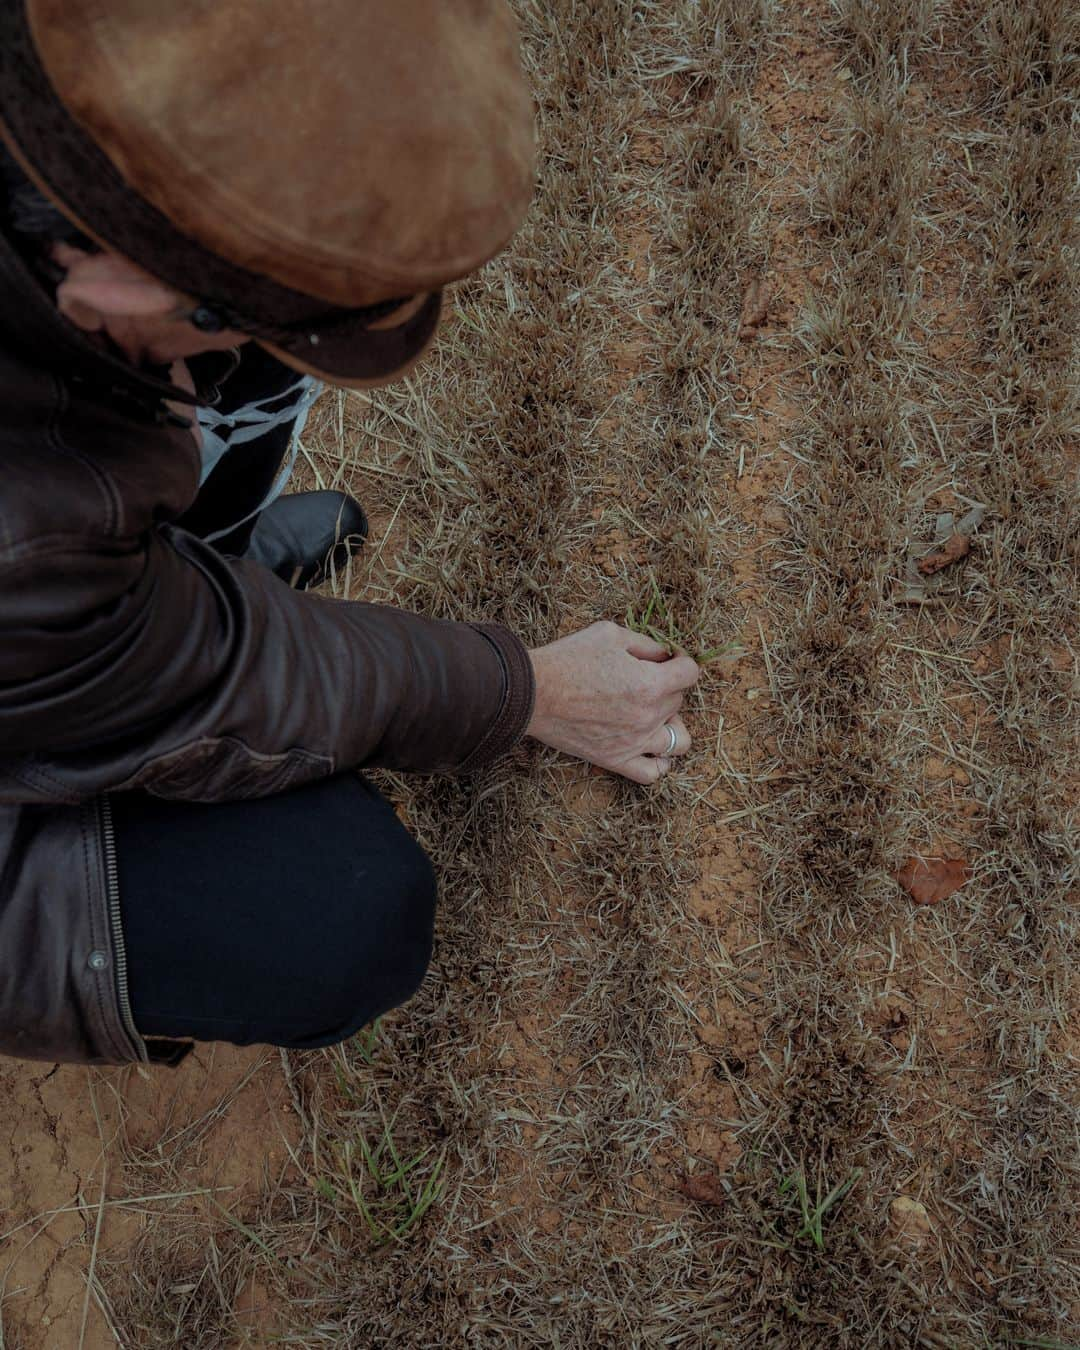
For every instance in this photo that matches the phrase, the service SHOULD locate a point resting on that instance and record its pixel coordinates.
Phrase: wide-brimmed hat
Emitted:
(311, 174)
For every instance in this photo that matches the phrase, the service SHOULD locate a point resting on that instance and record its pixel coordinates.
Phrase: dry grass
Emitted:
(720, 978)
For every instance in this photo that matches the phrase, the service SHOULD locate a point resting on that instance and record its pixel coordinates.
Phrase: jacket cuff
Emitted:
(519, 695)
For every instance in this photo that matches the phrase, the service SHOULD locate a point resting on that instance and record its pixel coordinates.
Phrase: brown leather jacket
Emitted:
(132, 655)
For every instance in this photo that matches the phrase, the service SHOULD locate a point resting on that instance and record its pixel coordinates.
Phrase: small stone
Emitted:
(909, 1221)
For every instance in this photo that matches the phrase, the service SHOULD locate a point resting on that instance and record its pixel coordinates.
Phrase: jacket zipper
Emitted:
(112, 896)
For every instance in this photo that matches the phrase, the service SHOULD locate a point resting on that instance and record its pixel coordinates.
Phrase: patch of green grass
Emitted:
(813, 1214)
(391, 1194)
(654, 619)
(364, 1041)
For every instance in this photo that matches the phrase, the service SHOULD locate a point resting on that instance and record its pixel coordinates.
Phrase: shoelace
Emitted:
(221, 432)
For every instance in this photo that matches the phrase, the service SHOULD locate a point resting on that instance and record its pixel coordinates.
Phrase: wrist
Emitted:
(539, 659)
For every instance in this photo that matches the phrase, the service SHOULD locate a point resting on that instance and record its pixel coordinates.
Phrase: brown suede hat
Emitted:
(310, 174)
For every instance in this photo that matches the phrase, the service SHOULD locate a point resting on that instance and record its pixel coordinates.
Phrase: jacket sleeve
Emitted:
(141, 657)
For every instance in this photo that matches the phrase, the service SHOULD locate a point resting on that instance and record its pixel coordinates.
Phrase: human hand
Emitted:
(608, 696)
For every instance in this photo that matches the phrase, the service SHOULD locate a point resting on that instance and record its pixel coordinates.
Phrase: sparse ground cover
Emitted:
(797, 302)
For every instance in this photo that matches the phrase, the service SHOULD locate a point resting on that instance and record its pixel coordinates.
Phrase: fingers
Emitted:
(674, 672)
(644, 648)
(644, 769)
(660, 744)
(667, 706)
(657, 757)
(680, 672)
(612, 698)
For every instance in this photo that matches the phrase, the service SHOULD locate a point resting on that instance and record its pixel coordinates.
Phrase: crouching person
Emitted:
(205, 212)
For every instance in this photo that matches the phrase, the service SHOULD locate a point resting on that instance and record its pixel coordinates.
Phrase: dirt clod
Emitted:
(954, 548)
(755, 307)
(931, 880)
(705, 1188)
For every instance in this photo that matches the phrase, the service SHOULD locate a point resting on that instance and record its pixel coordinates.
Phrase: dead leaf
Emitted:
(705, 1188)
(755, 307)
(913, 590)
(954, 548)
(930, 880)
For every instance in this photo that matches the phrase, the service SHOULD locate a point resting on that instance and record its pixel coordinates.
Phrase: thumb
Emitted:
(644, 648)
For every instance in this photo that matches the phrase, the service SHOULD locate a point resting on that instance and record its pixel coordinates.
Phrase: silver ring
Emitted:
(673, 740)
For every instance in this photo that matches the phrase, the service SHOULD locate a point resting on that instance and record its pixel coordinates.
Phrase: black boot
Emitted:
(305, 536)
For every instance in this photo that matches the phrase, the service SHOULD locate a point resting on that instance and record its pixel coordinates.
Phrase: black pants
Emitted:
(291, 920)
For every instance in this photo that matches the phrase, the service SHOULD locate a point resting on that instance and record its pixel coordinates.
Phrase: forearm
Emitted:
(206, 678)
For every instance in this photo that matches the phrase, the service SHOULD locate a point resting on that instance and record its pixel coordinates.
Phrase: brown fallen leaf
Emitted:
(755, 307)
(930, 880)
(954, 548)
(705, 1188)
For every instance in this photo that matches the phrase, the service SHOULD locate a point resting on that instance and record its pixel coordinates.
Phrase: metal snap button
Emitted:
(97, 961)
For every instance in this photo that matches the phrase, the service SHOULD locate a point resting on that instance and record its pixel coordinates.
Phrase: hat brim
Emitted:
(347, 350)
(357, 354)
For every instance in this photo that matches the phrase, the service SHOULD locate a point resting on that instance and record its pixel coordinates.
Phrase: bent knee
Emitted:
(393, 937)
(414, 916)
